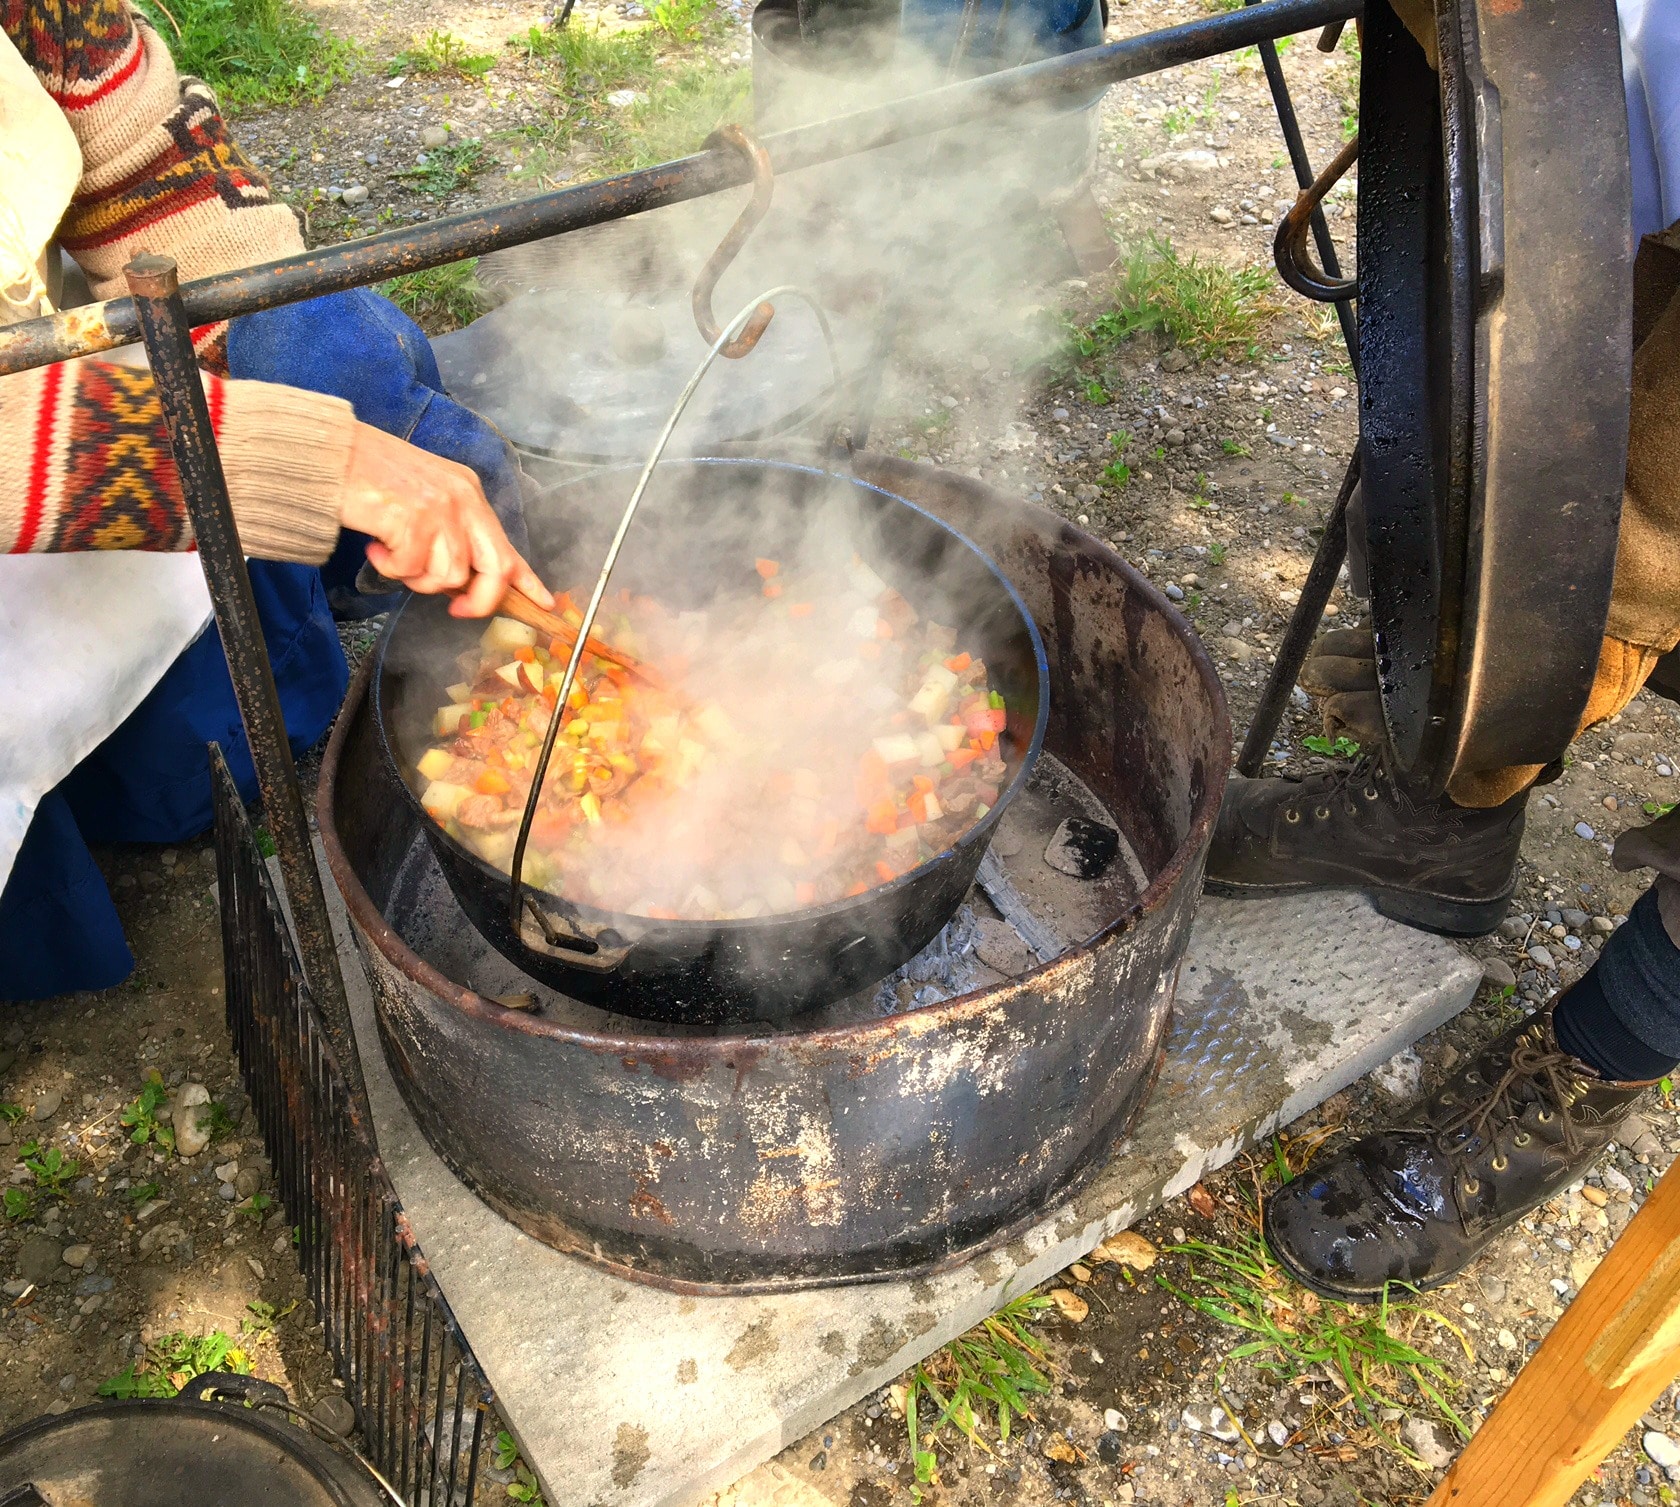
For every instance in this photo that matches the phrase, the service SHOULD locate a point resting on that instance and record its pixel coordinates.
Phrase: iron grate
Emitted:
(420, 1399)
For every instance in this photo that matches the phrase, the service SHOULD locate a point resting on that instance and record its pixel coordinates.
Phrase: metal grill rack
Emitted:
(418, 1393)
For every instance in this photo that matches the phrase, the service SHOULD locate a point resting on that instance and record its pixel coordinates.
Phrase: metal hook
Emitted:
(729, 247)
(1289, 250)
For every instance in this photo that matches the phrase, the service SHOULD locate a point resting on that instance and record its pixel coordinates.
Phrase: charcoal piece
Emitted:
(1082, 848)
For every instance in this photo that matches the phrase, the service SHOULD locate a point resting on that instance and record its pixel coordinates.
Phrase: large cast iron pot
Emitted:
(700, 520)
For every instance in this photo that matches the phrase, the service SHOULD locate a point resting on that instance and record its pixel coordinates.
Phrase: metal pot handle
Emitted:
(543, 931)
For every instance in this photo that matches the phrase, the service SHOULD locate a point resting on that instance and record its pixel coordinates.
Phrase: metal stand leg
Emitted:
(1298, 636)
(168, 337)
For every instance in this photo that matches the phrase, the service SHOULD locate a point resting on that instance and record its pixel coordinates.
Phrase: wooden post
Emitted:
(1613, 1351)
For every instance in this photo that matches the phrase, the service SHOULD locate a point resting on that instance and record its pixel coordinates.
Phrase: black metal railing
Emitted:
(420, 1399)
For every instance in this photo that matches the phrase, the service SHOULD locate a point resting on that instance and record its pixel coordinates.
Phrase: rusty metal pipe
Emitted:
(99, 327)
(168, 336)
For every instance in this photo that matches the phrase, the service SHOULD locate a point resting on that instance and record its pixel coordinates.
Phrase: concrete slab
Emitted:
(623, 1396)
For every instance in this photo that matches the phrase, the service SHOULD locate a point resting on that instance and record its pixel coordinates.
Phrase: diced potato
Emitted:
(898, 748)
(442, 798)
(714, 723)
(460, 691)
(504, 635)
(807, 784)
(863, 579)
(950, 735)
(530, 677)
(938, 675)
(931, 703)
(862, 622)
(496, 847)
(448, 719)
(510, 673)
(929, 750)
(934, 809)
(434, 763)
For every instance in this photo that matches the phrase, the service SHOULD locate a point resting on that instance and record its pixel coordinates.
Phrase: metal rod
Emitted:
(1298, 636)
(1304, 178)
(186, 413)
(98, 327)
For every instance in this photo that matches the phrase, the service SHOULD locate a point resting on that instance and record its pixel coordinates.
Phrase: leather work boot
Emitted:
(1428, 863)
(1417, 1203)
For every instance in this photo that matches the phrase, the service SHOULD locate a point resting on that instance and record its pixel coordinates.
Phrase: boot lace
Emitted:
(1535, 1073)
(1354, 783)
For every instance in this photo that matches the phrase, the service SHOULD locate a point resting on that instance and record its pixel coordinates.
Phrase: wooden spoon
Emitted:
(522, 609)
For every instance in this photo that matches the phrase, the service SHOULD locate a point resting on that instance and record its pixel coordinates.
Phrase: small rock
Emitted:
(1174, 438)
(227, 1172)
(1597, 1197)
(67, 1385)
(1278, 1433)
(1175, 360)
(333, 1412)
(1507, 1340)
(1574, 919)
(191, 1095)
(1057, 1447)
(434, 136)
(1113, 1419)
(76, 1255)
(1572, 943)
(1128, 1248)
(622, 99)
(226, 1192)
(997, 944)
(165, 1240)
(1211, 1420)
(1493, 1288)
(38, 1259)
(1541, 957)
(1069, 1304)
(47, 1104)
(1111, 1448)
(1514, 928)
(1082, 848)
(1058, 413)
(1582, 830)
(1603, 925)
(1175, 592)
(1616, 1181)
(250, 1179)
(1420, 1434)
(1220, 215)
(356, 194)
(1499, 973)
(1190, 160)
(1401, 1077)
(90, 1287)
(1662, 1449)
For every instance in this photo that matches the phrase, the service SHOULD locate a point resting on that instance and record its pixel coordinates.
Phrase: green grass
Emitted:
(252, 52)
(1232, 447)
(172, 1361)
(682, 20)
(1096, 393)
(1340, 747)
(682, 109)
(1202, 306)
(1216, 554)
(448, 167)
(1657, 808)
(1369, 1349)
(144, 1192)
(52, 1170)
(984, 1379)
(1117, 473)
(140, 1118)
(442, 52)
(12, 1113)
(441, 298)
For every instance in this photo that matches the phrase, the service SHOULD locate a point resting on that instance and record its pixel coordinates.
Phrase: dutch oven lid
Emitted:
(178, 1453)
(1495, 299)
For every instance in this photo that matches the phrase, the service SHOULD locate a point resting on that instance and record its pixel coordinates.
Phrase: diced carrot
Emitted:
(491, 782)
(559, 649)
(800, 609)
(828, 835)
(510, 707)
(869, 650)
(767, 568)
(961, 758)
(772, 589)
(917, 805)
(885, 870)
(958, 663)
(805, 893)
(551, 691)
(883, 629)
(495, 760)
(900, 719)
(922, 782)
(987, 739)
(661, 913)
(525, 654)
(872, 782)
(882, 818)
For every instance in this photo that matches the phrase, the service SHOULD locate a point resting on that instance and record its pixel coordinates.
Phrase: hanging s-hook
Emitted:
(1289, 249)
(763, 182)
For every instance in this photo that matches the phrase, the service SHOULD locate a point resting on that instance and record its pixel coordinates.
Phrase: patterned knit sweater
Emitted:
(86, 462)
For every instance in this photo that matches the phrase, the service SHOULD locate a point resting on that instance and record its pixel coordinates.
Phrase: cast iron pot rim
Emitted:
(595, 916)
(842, 1038)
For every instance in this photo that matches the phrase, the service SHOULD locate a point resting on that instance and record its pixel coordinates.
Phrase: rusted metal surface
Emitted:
(1289, 246)
(377, 257)
(764, 187)
(192, 442)
(880, 1147)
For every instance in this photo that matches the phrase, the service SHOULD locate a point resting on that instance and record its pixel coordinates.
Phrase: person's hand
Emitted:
(1341, 669)
(431, 526)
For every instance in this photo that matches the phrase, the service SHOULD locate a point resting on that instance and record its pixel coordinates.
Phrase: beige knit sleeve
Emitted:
(285, 453)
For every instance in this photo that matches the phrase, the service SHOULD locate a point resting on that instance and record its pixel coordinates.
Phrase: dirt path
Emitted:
(1212, 469)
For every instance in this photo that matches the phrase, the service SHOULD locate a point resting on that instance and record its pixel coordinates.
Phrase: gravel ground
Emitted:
(1234, 459)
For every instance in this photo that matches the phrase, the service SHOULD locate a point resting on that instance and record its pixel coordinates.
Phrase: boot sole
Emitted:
(1436, 913)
